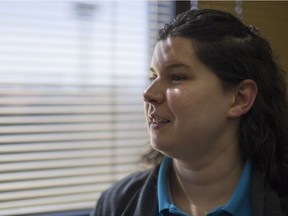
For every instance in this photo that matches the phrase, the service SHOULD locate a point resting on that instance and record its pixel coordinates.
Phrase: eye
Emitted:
(178, 77)
(152, 77)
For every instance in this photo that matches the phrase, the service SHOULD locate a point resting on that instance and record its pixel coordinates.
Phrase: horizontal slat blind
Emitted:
(71, 115)
(160, 12)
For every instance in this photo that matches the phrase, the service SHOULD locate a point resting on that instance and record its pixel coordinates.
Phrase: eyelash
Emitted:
(152, 78)
(177, 77)
(174, 77)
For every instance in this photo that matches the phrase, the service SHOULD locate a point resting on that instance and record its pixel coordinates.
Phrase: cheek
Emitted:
(174, 97)
(186, 102)
(179, 101)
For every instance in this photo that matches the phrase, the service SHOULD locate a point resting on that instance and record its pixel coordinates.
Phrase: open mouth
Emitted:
(158, 120)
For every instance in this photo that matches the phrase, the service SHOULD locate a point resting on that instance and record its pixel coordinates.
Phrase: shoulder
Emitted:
(125, 193)
(284, 204)
(265, 198)
(130, 184)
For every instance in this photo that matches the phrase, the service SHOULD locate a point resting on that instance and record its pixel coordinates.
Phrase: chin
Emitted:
(163, 148)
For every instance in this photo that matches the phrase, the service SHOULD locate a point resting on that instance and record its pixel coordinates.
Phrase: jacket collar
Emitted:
(265, 200)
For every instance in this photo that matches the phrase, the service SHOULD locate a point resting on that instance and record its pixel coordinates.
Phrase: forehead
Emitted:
(174, 50)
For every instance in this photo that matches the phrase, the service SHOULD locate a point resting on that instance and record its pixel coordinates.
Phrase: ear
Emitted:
(244, 97)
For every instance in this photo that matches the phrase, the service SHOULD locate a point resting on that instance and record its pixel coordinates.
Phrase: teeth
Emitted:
(159, 120)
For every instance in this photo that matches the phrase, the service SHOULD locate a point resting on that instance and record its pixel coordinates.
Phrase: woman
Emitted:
(216, 111)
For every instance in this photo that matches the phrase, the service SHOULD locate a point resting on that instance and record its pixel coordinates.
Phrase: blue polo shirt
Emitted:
(238, 205)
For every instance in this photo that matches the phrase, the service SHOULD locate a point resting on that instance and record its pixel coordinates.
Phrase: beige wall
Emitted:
(271, 17)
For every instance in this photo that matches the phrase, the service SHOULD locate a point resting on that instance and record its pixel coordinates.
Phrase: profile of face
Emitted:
(188, 111)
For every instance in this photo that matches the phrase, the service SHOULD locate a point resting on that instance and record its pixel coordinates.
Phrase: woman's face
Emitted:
(186, 106)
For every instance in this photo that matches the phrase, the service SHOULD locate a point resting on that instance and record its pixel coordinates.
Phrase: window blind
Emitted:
(72, 75)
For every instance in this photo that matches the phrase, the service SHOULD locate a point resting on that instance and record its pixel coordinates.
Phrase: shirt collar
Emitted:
(164, 199)
(240, 202)
(163, 191)
(240, 199)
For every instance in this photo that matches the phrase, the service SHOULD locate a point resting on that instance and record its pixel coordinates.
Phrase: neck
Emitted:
(199, 188)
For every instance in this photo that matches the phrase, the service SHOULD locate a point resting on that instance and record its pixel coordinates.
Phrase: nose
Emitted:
(154, 94)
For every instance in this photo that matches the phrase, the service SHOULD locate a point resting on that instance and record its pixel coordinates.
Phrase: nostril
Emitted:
(154, 93)
(146, 97)
(153, 98)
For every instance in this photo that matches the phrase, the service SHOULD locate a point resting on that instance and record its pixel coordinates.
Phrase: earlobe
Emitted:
(244, 97)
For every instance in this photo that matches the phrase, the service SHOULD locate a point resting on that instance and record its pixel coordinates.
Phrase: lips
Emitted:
(157, 120)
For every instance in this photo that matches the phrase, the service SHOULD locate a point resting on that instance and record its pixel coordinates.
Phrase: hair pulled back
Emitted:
(236, 52)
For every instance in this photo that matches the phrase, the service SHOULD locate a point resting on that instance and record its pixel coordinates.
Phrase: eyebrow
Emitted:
(176, 65)
(172, 66)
